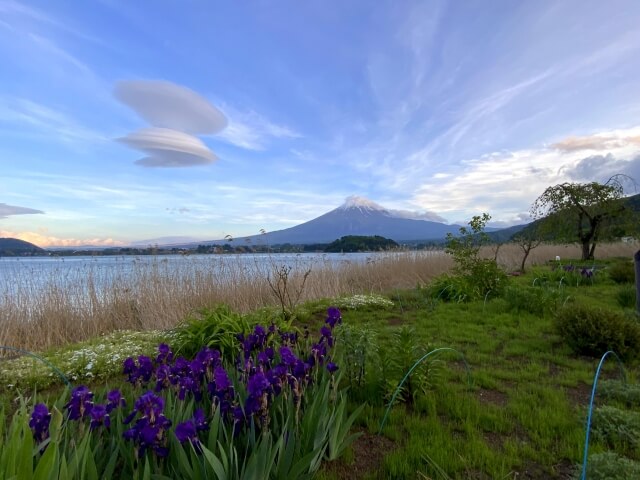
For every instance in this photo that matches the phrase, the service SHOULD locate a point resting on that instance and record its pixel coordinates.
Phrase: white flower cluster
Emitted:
(359, 301)
(101, 357)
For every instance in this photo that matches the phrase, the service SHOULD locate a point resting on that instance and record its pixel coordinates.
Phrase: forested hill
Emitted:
(13, 247)
(357, 243)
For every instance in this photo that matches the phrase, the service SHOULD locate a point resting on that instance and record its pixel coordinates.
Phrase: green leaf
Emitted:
(46, 466)
(215, 463)
(25, 454)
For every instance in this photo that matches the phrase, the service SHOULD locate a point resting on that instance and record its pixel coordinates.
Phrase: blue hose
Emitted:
(415, 365)
(37, 357)
(593, 394)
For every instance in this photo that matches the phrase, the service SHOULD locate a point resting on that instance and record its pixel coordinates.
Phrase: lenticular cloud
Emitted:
(176, 113)
(169, 148)
(167, 105)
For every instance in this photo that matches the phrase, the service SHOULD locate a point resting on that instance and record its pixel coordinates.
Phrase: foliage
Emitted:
(610, 466)
(276, 414)
(396, 360)
(359, 301)
(593, 331)
(98, 359)
(212, 327)
(622, 272)
(535, 300)
(580, 212)
(626, 393)
(479, 277)
(451, 288)
(619, 429)
(358, 243)
(527, 239)
(357, 348)
(626, 296)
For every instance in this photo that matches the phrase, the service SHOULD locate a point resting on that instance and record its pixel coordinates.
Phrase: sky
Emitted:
(171, 120)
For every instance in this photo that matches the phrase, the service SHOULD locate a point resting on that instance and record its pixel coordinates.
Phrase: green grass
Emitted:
(524, 411)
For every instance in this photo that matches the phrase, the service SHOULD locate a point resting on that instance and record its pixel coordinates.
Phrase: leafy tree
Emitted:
(580, 212)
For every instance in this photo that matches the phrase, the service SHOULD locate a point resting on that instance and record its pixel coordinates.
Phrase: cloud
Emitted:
(169, 148)
(7, 210)
(593, 142)
(44, 241)
(252, 131)
(601, 167)
(181, 210)
(167, 105)
(429, 216)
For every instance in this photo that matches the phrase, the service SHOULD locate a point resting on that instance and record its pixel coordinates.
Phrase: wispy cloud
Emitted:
(253, 131)
(7, 210)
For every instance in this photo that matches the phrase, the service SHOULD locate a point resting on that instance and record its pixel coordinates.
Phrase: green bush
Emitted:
(591, 331)
(216, 328)
(619, 429)
(623, 272)
(626, 393)
(610, 466)
(449, 288)
(626, 296)
(535, 300)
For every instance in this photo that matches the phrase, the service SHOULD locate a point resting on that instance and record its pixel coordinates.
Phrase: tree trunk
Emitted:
(524, 259)
(636, 258)
(585, 250)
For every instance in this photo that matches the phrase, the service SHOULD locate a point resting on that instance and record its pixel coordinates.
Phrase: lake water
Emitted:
(30, 275)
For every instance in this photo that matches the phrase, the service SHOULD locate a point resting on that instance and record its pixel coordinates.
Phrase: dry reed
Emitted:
(75, 304)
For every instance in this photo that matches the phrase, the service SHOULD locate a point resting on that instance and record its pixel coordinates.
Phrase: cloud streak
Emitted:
(8, 210)
(44, 241)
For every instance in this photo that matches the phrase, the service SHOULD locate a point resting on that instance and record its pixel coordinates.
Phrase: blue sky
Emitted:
(443, 108)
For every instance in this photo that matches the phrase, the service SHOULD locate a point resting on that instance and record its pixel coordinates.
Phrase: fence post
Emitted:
(636, 259)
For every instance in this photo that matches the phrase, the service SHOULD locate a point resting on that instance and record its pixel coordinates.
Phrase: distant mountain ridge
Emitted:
(356, 216)
(14, 246)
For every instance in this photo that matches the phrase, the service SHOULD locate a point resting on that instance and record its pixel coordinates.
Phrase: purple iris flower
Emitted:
(165, 355)
(221, 379)
(186, 431)
(200, 420)
(287, 356)
(115, 400)
(332, 367)
(39, 422)
(333, 317)
(80, 403)
(258, 384)
(99, 417)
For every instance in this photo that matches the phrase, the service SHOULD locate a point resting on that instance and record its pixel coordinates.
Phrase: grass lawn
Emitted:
(520, 414)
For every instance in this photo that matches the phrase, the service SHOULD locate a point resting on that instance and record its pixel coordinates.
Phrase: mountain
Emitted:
(357, 216)
(14, 247)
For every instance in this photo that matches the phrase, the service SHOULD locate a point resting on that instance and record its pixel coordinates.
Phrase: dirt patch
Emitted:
(368, 453)
(534, 471)
(554, 370)
(492, 396)
(579, 395)
(395, 321)
(493, 439)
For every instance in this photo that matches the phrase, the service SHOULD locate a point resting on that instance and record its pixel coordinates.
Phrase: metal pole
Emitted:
(636, 259)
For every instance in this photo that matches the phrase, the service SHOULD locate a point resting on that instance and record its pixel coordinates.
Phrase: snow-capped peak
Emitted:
(361, 203)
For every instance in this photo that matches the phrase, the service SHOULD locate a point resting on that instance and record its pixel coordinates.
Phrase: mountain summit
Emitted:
(357, 216)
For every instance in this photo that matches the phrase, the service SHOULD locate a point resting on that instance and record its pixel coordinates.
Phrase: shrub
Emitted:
(535, 300)
(449, 288)
(623, 272)
(626, 393)
(610, 466)
(215, 328)
(590, 331)
(626, 296)
(617, 428)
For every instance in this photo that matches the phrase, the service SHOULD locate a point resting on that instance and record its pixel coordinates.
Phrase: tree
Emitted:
(527, 240)
(580, 212)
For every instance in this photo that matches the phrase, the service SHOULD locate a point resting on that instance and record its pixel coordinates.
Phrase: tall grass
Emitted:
(77, 303)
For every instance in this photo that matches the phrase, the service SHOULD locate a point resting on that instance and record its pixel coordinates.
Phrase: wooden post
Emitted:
(636, 259)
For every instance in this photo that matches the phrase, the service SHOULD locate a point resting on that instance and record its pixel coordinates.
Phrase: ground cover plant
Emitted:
(522, 416)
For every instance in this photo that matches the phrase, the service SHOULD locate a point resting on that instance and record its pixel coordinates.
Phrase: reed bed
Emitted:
(86, 301)
(77, 303)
